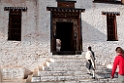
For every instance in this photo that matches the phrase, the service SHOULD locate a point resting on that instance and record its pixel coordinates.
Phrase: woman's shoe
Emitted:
(89, 73)
(93, 77)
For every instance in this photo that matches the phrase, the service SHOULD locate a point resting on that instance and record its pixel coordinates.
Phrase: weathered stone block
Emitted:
(12, 73)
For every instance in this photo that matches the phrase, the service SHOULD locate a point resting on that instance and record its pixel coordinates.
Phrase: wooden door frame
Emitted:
(63, 14)
(76, 34)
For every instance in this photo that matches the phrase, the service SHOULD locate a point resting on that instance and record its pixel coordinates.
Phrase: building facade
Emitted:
(29, 29)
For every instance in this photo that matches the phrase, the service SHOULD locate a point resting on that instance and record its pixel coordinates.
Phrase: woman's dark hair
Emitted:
(119, 50)
(89, 47)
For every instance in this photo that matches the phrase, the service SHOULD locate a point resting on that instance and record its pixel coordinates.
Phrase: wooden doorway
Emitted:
(64, 32)
(66, 28)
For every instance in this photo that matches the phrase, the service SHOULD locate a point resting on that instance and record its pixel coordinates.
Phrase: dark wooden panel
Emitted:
(14, 32)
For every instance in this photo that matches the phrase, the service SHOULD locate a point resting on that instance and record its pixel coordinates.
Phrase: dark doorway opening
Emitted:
(64, 32)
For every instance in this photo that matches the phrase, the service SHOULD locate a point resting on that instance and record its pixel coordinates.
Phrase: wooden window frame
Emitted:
(111, 25)
(111, 28)
(109, 1)
(14, 27)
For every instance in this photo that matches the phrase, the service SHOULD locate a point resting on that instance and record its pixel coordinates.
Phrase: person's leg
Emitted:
(93, 72)
(88, 71)
(88, 67)
(90, 64)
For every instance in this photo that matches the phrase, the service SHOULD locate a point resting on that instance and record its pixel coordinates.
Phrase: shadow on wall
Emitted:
(91, 33)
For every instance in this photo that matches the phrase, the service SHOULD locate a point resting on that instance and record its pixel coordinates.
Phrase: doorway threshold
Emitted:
(67, 53)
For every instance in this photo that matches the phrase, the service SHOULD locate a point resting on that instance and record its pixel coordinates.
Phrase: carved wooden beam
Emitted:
(111, 13)
(55, 9)
(15, 8)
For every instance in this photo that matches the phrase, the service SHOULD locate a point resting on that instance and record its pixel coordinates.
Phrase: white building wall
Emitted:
(25, 52)
(35, 41)
(94, 30)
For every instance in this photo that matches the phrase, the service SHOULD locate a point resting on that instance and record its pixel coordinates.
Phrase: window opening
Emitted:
(111, 26)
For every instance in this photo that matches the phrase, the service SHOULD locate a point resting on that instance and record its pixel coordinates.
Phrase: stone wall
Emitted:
(35, 43)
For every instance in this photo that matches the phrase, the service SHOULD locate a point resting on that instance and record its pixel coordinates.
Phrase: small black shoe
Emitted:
(89, 73)
(93, 77)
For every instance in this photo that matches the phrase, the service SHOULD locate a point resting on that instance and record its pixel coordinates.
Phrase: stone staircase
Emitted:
(70, 69)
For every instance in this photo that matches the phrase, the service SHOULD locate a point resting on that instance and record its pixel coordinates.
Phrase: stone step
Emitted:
(73, 68)
(76, 82)
(60, 73)
(70, 77)
(61, 82)
(64, 73)
(75, 65)
(59, 78)
(14, 81)
(57, 82)
(69, 60)
(67, 64)
(99, 81)
(67, 57)
(86, 80)
(69, 68)
(56, 65)
(74, 59)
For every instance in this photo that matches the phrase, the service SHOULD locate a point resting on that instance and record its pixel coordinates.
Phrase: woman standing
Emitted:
(119, 61)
